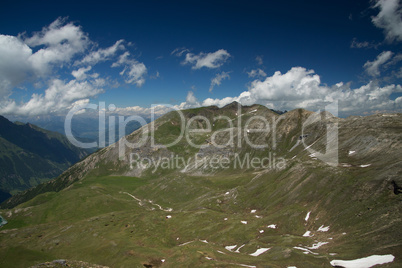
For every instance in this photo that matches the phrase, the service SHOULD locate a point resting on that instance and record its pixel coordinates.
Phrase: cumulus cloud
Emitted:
(217, 80)
(14, 66)
(61, 42)
(191, 102)
(302, 88)
(58, 96)
(389, 18)
(191, 99)
(244, 98)
(256, 73)
(36, 60)
(373, 67)
(134, 71)
(80, 74)
(210, 60)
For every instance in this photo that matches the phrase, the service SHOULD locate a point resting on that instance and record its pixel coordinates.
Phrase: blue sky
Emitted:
(284, 55)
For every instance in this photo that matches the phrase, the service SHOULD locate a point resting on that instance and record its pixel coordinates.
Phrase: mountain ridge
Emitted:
(305, 213)
(30, 155)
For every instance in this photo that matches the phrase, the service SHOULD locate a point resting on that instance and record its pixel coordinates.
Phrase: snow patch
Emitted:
(186, 243)
(204, 241)
(245, 265)
(230, 248)
(244, 222)
(307, 216)
(168, 217)
(291, 267)
(225, 219)
(159, 206)
(364, 262)
(253, 211)
(352, 152)
(258, 217)
(323, 229)
(259, 251)
(163, 260)
(317, 245)
(221, 252)
(227, 193)
(306, 251)
(307, 234)
(365, 165)
(261, 231)
(272, 226)
(208, 258)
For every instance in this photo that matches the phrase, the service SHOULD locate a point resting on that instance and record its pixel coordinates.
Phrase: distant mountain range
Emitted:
(30, 155)
(84, 128)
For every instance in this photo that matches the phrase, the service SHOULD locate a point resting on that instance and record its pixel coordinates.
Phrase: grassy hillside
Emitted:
(30, 155)
(304, 213)
(97, 215)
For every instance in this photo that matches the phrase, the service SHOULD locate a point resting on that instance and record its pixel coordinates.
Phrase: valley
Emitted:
(105, 210)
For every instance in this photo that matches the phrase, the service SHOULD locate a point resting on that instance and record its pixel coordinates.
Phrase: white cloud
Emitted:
(389, 18)
(133, 70)
(296, 84)
(191, 102)
(191, 99)
(397, 58)
(135, 73)
(217, 80)
(256, 73)
(102, 54)
(61, 42)
(80, 74)
(208, 60)
(244, 98)
(57, 97)
(373, 67)
(14, 55)
(38, 60)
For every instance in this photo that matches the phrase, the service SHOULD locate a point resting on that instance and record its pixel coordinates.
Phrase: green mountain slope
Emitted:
(302, 212)
(30, 155)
